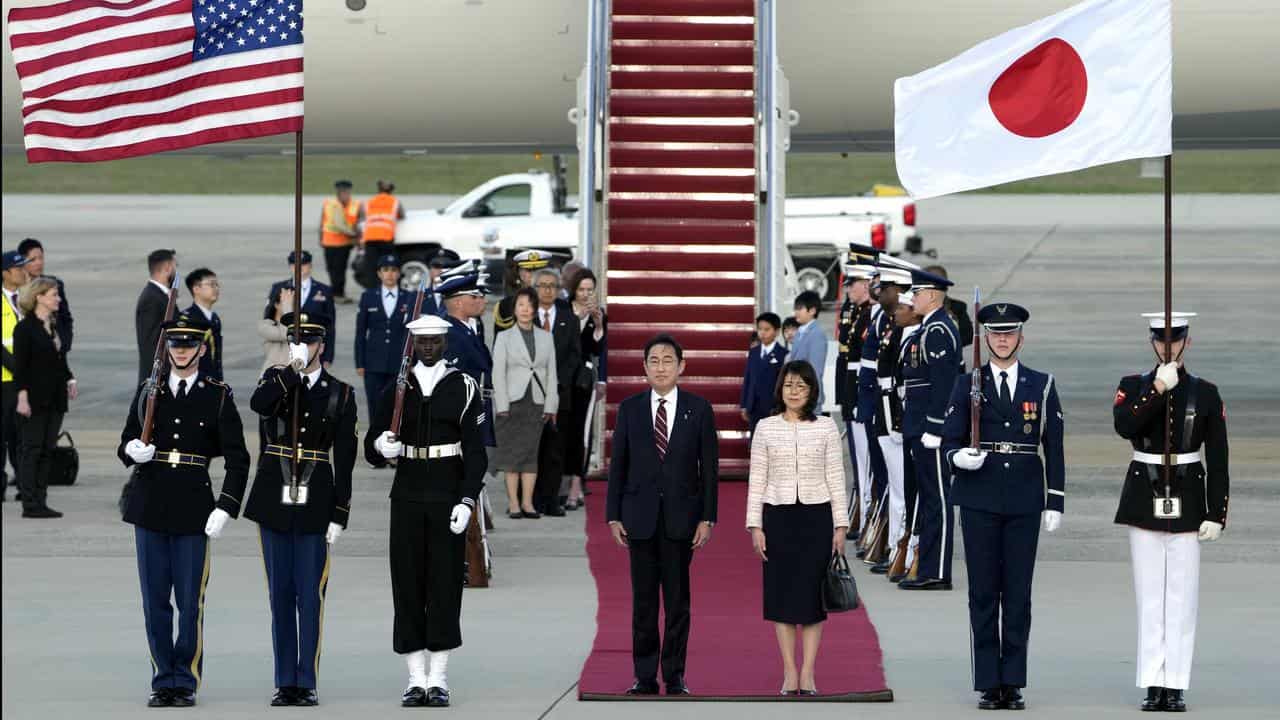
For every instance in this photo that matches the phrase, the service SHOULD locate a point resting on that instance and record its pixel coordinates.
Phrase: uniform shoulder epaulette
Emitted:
(502, 322)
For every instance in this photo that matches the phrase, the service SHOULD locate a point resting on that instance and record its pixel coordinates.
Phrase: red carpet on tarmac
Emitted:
(732, 651)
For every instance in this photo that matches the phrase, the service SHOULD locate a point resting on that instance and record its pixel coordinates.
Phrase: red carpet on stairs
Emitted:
(732, 651)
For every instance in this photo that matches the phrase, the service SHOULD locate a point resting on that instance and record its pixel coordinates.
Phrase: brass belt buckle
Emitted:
(1004, 447)
(175, 457)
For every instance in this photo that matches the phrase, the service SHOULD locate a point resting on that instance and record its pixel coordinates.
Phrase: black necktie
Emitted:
(306, 382)
(1005, 397)
(182, 389)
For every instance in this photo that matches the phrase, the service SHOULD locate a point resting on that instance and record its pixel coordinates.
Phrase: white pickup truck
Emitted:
(530, 210)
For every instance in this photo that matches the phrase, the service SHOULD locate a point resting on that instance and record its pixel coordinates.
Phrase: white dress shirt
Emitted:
(306, 292)
(312, 377)
(766, 349)
(671, 408)
(389, 298)
(174, 379)
(428, 376)
(1013, 378)
(547, 317)
(161, 285)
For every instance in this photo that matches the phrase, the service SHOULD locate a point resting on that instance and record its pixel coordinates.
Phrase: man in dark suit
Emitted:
(148, 314)
(555, 315)
(33, 251)
(380, 330)
(203, 285)
(317, 303)
(662, 506)
(763, 363)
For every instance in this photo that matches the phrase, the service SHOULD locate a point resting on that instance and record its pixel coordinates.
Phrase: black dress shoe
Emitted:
(42, 513)
(305, 697)
(925, 584)
(555, 511)
(807, 693)
(860, 553)
(677, 687)
(530, 515)
(160, 698)
(991, 700)
(184, 697)
(515, 515)
(437, 697)
(283, 697)
(641, 687)
(898, 577)
(1174, 702)
(1155, 701)
(414, 697)
(880, 568)
(1013, 698)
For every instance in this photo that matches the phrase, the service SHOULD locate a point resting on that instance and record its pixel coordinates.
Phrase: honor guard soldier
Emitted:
(929, 379)
(380, 333)
(904, 537)
(526, 263)
(170, 502)
(1004, 487)
(440, 464)
(888, 423)
(301, 512)
(856, 307)
(1168, 518)
(463, 290)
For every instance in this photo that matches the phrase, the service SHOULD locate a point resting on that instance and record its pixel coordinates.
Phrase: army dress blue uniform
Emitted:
(169, 500)
(908, 351)
(928, 378)
(1002, 501)
(295, 551)
(380, 337)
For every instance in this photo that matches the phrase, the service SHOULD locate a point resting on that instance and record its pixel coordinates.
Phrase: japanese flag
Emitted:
(1090, 85)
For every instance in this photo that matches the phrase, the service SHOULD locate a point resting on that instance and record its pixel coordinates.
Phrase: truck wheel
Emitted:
(812, 275)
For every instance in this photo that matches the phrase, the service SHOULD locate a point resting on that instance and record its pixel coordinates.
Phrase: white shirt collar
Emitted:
(314, 376)
(306, 288)
(766, 349)
(394, 290)
(549, 312)
(160, 285)
(173, 381)
(931, 314)
(427, 377)
(1013, 376)
(208, 312)
(671, 398)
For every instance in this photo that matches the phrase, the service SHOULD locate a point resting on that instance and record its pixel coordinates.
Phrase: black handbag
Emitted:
(64, 461)
(839, 591)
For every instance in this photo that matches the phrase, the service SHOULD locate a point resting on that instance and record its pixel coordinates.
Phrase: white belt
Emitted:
(885, 383)
(1174, 459)
(868, 364)
(432, 451)
(854, 365)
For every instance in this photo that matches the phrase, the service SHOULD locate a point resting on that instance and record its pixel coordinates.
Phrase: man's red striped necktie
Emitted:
(660, 430)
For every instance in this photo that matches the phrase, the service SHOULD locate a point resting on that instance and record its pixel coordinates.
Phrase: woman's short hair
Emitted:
(527, 293)
(803, 370)
(32, 290)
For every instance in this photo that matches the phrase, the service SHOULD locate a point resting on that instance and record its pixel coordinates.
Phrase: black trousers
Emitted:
(367, 275)
(374, 384)
(935, 519)
(9, 438)
(335, 262)
(1000, 553)
(427, 567)
(660, 563)
(39, 434)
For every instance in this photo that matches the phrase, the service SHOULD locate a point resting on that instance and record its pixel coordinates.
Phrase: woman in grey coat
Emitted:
(524, 398)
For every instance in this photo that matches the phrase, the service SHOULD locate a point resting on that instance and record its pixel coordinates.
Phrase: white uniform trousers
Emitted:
(862, 465)
(893, 462)
(1166, 579)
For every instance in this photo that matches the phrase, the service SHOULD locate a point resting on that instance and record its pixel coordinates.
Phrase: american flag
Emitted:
(107, 80)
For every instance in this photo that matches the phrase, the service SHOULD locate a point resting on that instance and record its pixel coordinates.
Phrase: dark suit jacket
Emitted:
(683, 484)
(380, 339)
(567, 333)
(758, 385)
(319, 307)
(211, 363)
(147, 317)
(39, 367)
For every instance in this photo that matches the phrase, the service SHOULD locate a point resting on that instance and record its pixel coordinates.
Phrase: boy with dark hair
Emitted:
(811, 341)
(763, 363)
(789, 328)
(205, 289)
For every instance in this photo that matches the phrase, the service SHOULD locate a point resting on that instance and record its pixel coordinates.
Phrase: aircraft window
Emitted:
(505, 201)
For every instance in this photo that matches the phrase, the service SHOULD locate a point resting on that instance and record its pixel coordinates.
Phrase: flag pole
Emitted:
(1168, 313)
(297, 305)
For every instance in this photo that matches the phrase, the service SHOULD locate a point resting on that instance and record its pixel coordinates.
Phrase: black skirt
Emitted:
(798, 542)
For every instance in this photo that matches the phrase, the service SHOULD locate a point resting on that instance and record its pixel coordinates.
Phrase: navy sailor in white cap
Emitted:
(1168, 520)
(440, 464)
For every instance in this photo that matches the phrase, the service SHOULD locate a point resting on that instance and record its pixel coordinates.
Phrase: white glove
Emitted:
(388, 445)
(1168, 374)
(139, 451)
(459, 519)
(931, 441)
(334, 532)
(217, 522)
(1052, 519)
(1210, 531)
(298, 356)
(895, 437)
(969, 459)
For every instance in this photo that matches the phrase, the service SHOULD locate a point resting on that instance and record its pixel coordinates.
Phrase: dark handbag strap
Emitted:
(71, 443)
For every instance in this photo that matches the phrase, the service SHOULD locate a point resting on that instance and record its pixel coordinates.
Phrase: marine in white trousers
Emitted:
(862, 466)
(894, 463)
(1166, 579)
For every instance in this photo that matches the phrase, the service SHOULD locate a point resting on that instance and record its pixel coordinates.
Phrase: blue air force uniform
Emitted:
(763, 365)
(317, 303)
(169, 499)
(869, 406)
(295, 551)
(466, 350)
(928, 376)
(380, 337)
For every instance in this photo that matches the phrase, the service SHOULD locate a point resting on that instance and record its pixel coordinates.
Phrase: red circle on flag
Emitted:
(1042, 92)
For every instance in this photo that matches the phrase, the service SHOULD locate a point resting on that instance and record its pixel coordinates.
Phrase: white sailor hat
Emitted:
(906, 296)
(1179, 322)
(428, 325)
(894, 276)
(858, 271)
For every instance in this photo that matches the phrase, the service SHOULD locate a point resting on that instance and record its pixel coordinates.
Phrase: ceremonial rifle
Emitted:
(158, 362)
(406, 355)
(975, 385)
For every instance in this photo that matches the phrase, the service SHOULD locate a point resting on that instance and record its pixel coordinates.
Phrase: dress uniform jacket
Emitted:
(1024, 471)
(888, 414)
(844, 330)
(868, 387)
(318, 304)
(211, 362)
(379, 338)
(328, 426)
(1199, 426)
(851, 367)
(177, 498)
(930, 374)
(468, 353)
